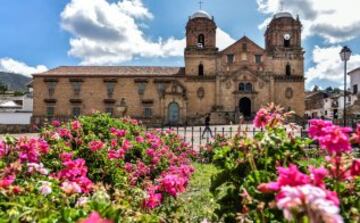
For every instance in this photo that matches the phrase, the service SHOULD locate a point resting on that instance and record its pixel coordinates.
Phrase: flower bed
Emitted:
(270, 178)
(94, 167)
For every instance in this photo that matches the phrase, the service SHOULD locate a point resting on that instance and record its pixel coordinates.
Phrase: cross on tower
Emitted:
(200, 4)
(281, 5)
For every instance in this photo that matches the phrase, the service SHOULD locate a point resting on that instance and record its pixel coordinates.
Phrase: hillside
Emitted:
(14, 82)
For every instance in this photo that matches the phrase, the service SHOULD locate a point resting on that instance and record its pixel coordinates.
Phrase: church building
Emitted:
(236, 81)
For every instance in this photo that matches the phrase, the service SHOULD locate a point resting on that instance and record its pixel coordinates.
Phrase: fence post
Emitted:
(200, 138)
(215, 132)
(192, 137)
(185, 133)
(231, 134)
(223, 131)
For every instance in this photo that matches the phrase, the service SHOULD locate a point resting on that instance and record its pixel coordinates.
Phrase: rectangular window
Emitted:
(110, 89)
(109, 110)
(51, 88)
(50, 110)
(355, 89)
(244, 47)
(147, 112)
(76, 88)
(76, 111)
(230, 58)
(258, 59)
(141, 88)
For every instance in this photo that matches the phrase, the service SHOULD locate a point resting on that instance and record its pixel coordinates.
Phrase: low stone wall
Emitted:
(15, 128)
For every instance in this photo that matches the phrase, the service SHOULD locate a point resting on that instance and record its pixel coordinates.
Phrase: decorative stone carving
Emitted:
(201, 93)
(289, 93)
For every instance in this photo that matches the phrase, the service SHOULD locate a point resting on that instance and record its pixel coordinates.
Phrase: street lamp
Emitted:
(345, 55)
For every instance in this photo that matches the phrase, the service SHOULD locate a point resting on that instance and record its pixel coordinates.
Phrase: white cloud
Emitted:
(334, 20)
(108, 33)
(328, 65)
(14, 66)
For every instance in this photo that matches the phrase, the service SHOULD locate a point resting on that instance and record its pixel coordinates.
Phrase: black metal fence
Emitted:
(198, 137)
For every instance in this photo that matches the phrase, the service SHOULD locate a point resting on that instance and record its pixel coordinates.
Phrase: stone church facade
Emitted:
(237, 80)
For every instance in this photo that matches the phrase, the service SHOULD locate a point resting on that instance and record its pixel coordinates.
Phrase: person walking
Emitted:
(207, 126)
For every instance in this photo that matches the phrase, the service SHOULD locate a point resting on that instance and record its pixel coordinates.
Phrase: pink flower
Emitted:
(290, 176)
(310, 201)
(116, 154)
(3, 149)
(75, 171)
(96, 145)
(75, 125)
(262, 118)
(94, 217)
(139, 139)
(7, 181)
(126, 145)
(318, 175)
(355, 168)
(71, 187)
(35, 167)
(153, 200)
(150, 152)
(334, 139)
(118, 132)
(30, 150)
(45, 188)
(64, 133)
(56, 123)
(66, 156)
(172, 184)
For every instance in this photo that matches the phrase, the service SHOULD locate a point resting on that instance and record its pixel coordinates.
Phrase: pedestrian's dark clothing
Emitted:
(207, 126)
(207, 121)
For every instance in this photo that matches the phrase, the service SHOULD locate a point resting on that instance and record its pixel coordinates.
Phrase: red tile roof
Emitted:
(113, 71)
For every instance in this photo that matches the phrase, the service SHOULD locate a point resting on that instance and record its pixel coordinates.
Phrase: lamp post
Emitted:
(345, 55)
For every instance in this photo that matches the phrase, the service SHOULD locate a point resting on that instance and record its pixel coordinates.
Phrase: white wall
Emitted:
(355, 79)
(15, 118)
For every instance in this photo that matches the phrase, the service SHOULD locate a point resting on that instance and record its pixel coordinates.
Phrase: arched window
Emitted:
(241, 87)
(201, 70)
(201, 40)
(288, 70)
(248, 87)
(286, 43)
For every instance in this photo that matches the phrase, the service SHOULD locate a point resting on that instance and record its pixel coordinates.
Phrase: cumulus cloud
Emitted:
(328, 65)
(333, 20)
(14, 66)
(106, 33)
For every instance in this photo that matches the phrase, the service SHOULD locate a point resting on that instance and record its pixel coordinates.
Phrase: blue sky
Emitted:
(42, 34)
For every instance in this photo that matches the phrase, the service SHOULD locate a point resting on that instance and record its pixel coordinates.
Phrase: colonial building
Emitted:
(237, 80)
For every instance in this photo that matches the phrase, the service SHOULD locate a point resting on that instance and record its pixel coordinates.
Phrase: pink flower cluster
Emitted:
(309, 199)
(333, 138)
(74, 175)
(95, 217)
(270, 116)
(298, 191)
(96, 145)
(30, 150)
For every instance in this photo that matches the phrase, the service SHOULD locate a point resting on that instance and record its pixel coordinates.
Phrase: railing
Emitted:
(197, 139)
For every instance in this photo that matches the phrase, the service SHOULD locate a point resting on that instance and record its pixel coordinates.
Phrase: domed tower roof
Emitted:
(201, 14)
(283, 15)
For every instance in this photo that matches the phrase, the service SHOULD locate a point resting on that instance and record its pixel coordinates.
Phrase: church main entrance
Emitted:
(245, 107)
(174, 113)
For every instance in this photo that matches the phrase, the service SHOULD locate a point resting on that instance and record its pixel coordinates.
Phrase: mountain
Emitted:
(14, 82)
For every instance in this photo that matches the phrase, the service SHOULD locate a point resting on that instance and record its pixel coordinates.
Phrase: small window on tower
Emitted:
(288, 70)
(258, 59)
(201, 41)
(230, 58)
(201, 70)
(244, 47)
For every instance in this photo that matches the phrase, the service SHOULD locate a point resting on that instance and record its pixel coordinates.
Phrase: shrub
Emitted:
(95, 166)
(277, 156)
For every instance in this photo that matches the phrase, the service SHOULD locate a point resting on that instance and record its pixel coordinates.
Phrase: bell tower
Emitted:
(200, 51)
(283, 44)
